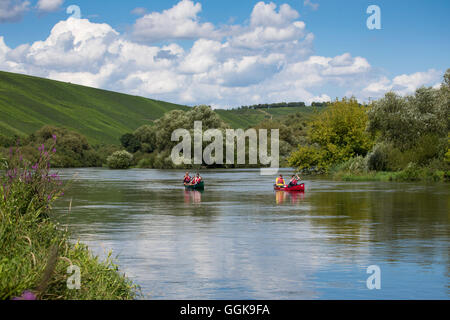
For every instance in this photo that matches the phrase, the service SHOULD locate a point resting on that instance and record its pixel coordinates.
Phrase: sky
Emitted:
(230, 53)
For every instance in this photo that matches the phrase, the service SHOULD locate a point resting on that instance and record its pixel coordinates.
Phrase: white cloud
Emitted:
(49, 5)
(266, 15)
(403, 84)
(139, 11)
(179, 22)
(269, 60)
(12, 10)
(309, 3)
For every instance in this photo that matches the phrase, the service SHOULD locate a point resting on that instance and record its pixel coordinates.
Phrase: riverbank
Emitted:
(407, 175)
(28, 263)
(37, 259)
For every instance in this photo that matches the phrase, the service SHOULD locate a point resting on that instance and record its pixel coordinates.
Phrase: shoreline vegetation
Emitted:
(394, 138)
(36, 252)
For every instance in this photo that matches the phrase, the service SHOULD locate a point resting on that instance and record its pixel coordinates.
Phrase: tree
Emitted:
(130, 142)
(146, 135)
(336, 135)
(403, 121)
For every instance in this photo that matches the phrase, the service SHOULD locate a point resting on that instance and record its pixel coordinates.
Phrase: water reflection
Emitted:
(290, 197)
(192, 196)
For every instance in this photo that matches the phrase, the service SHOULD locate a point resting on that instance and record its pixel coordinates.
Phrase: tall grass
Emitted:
(35, 252)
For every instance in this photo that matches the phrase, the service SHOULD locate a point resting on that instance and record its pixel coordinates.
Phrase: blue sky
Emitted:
(228, 53)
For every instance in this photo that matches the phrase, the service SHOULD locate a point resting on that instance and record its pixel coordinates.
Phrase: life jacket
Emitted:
(197, 180)
(280, 181)
(294, 181)
(187, 179)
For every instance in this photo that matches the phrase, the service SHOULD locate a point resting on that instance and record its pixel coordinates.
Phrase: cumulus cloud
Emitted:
(266, 15)
(270, 59)
(179, 22)
(403, 84)
(12, 10)
(309, 3)
(49, 5)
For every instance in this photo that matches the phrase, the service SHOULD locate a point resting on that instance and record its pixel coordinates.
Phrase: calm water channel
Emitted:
(239, 239)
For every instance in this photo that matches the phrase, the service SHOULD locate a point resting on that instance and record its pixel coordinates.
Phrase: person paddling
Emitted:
(187, 178)
(280, 181)
(294, 180)
(197, 179)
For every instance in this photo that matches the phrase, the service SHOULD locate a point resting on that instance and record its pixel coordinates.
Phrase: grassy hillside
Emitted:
(28, 103)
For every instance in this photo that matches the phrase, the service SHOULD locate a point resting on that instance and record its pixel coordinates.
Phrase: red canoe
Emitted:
(299, 187)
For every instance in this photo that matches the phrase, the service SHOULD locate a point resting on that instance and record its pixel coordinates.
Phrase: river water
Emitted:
(239, 239)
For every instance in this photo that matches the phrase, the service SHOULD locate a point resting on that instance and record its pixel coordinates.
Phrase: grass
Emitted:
(423, 175)
(35, 252)
(28, 103)
(25, 250)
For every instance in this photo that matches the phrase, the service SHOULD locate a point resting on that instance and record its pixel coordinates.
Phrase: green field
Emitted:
(28, 103)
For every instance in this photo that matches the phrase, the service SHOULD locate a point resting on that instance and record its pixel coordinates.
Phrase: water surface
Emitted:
(239, 239)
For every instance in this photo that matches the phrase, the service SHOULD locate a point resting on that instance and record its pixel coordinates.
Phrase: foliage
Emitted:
(28, 188)
(73, 148)
(356, 165)
(130, 142)
(337, 135)
(275, 105)
(377, 159)
(146, 135)
(34, 251)
(309, 158)
(404, 121)
(120, 160)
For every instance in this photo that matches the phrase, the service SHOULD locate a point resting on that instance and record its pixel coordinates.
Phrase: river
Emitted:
(239, 239)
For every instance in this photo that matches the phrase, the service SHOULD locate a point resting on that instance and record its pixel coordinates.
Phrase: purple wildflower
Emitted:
(26, 295)
(54, 150)
(54, 137)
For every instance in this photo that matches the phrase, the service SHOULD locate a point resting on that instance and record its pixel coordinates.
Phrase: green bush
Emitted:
(354, 165)
(377, 159)
(120, 160)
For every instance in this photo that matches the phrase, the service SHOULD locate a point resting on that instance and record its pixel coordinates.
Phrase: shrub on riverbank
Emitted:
(73, 148)
(120, 160)
(35, 252)
(411, 173)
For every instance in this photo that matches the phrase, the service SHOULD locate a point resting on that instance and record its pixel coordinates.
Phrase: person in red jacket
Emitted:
(197, 179)
(187, 178)
(294, 181)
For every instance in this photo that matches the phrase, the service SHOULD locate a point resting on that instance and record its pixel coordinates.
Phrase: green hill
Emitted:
(28, 103)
